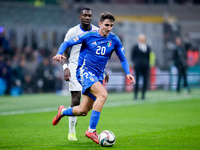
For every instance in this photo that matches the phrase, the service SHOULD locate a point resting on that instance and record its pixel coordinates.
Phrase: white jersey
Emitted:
(74, 85)
(74, 31)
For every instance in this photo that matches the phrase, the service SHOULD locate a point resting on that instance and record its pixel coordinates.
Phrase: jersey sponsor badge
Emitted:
(91, 78)
(123, 49)
(75, 39)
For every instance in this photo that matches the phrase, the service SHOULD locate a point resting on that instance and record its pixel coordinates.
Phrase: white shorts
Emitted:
(74, 85)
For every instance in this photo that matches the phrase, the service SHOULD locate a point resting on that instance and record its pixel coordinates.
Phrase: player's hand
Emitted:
(59, 57)
(106, 78)
(67, 74)
(129, 76)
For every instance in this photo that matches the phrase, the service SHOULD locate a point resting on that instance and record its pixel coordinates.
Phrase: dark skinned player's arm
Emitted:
(67, 74)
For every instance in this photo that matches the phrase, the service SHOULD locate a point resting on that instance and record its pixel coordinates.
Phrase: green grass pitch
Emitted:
(164, 121)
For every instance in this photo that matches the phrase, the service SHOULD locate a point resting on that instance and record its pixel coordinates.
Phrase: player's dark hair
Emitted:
(107, 15)
(85, 8)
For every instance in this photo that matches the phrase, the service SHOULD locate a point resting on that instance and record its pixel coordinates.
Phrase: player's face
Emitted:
(105, 27)
(85, 17)
(178, 41)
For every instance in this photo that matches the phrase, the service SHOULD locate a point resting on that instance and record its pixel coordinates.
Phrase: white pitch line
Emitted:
(107, 104)
(28, 111)
(139, 102)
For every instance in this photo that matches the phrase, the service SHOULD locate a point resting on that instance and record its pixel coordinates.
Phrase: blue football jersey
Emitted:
(96, 51)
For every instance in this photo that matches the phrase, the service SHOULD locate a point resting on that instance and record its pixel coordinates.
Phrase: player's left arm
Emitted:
(120, 53)
(130, 76)
(106, 76)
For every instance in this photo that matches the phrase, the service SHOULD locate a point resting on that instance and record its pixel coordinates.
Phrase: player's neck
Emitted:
(86, 28)
(101, 33)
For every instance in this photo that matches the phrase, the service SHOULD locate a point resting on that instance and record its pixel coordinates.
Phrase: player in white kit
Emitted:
(75, 88)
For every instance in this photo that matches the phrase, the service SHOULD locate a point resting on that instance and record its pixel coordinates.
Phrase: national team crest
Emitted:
(109, 43)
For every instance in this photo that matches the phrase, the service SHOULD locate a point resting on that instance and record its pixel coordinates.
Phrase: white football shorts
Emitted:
(74, 85)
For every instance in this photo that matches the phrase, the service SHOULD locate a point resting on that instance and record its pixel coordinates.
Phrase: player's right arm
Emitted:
(68, 36)
(59, 57)
(67, 74)
(73, 41)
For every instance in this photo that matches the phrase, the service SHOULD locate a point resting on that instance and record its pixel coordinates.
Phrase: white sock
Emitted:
(91, 130)
(72, 123)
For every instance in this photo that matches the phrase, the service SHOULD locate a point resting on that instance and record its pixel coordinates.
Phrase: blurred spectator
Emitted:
(140, 56)
(58, 76)
(180, 61)
(45, 76)
(4, 44)
(6, 73)
(192, 52)
(21, 78)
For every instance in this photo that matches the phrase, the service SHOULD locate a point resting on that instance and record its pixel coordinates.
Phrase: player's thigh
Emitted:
(97, 89)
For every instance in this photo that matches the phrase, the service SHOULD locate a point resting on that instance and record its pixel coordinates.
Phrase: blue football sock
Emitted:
(94, 119)
(68, 112)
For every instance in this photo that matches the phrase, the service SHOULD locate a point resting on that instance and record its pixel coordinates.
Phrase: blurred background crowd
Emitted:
(32, 30)
(31, 69)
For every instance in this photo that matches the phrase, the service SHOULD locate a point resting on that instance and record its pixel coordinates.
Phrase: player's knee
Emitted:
(76, 96)
(104, 95)
(75, 102)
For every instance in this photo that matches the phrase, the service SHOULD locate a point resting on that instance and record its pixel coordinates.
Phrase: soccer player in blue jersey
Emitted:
(75, 87)
(97, 48)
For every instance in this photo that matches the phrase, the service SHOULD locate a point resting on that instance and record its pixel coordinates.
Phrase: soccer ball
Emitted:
(106, 138)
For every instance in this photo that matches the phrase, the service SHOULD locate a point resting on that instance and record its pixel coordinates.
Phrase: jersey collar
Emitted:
(102, 36)
(83, 29)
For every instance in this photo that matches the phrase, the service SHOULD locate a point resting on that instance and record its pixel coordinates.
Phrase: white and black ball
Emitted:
(107, 138)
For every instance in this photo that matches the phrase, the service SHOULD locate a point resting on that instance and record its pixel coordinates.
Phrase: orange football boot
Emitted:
(57, 118)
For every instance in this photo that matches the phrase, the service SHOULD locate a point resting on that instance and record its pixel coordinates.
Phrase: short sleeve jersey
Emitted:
(72, 32)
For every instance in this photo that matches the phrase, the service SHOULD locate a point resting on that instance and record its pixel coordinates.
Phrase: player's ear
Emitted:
(99, 24)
